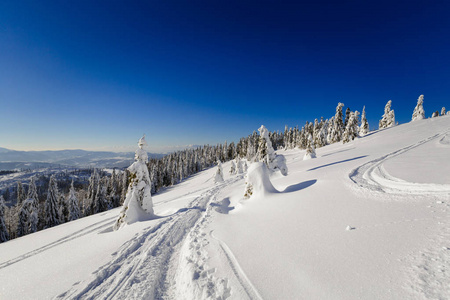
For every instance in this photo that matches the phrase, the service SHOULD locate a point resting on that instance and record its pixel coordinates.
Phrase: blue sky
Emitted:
(98, 74)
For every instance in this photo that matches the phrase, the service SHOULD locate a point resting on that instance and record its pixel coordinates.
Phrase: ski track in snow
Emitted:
(429, 270)
(165, 261)
(374, 177)
(82, 232)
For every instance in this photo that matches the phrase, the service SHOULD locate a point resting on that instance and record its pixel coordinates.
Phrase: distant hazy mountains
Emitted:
(11, 159)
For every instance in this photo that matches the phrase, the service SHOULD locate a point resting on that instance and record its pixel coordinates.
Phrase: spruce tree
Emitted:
(32, 207)
(443, 111)
(388, 118)
(138, 203)
(419, 112)
(52, 216)
(23, 218)
(218, 176)
(364, 128)
(351, 130)
(338, 125)
(4, 235)
(20, 193)
(74, 208)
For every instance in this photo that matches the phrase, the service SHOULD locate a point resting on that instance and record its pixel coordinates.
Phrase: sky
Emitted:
(96, 75)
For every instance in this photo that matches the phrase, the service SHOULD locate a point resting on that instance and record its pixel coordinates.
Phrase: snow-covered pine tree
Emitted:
(364, 128)
(4, 235)
(338, 125)
(20, 193)
(23, 218)
(330, 130)
(419, 112)
(388, 118)
(33, 209)
(138, 203)
(74, 208)
(443, 111)
(218, 176)
(265, 153)
(239, 169)
(351, 130)
(310, 151)
(233, 168)
(347, 116)
(52, 216)
(63, 209)
(92, 198)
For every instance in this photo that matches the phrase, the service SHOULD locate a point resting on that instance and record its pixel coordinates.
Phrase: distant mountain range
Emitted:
(12, 159)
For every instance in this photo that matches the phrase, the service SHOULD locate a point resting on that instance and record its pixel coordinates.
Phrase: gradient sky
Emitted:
(96, 75)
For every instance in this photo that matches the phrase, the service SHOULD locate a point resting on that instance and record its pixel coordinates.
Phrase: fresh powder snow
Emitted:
(368, 219)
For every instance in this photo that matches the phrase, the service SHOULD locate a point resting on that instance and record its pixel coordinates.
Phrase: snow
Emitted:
(369, 219)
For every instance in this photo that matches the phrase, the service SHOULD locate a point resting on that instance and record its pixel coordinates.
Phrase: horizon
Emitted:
(96, 76)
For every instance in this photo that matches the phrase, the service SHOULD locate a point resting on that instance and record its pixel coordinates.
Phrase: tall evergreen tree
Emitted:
(74, 208)
(338, 125)
(388, 118)
(4, 235)
(52, 216)
(419, 112)
(32, 207)
(364, 128)
(351, 130)
(20, 193)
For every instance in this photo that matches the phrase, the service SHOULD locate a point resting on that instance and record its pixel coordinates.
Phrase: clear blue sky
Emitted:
(98, 74)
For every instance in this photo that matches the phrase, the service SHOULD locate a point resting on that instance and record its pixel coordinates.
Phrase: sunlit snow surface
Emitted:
(391, 188)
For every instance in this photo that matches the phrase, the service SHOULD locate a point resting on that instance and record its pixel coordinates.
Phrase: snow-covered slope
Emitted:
(365, 220)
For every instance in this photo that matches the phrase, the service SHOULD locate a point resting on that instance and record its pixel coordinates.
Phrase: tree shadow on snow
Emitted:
(299, 186)
(337, 162)
(223, 206)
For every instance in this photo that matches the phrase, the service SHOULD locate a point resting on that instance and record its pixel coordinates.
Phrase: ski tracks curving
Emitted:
(373, 176)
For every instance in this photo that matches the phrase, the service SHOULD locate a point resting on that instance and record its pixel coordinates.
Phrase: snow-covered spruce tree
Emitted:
(310, 150)
(4, 235)
(233, 168)
(23, 219)
(338, 125)
(74, 208)
(52, 216)
(330, 130)
(33, 209)
(20, 193)
(92, 197)
(388, 118)
(351, 130)
(267, 155)
(443, 111)
(347, 116)
(419, 112)
(63, 209)
(138, 204)
(364, 128)
(239, 169)
(218, 176)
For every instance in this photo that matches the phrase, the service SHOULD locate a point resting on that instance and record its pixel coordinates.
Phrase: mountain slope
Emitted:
(365, 220)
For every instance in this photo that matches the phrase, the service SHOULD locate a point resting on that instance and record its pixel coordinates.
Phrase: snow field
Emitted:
(288, 241)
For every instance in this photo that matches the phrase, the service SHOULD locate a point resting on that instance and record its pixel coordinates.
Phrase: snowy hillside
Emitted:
(369, 219)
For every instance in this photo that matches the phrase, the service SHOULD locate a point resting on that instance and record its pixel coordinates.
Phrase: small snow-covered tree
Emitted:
(218, 176)
(23, 219)
(388, 118)
(364, 128)
(267, 155)
(443, 111)
(419, 112)
(351, 130)
(74, 207)
(239, 169)
(310, 150)
(52, 216)
(138, 204)
(233, 168)
(4, 235)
